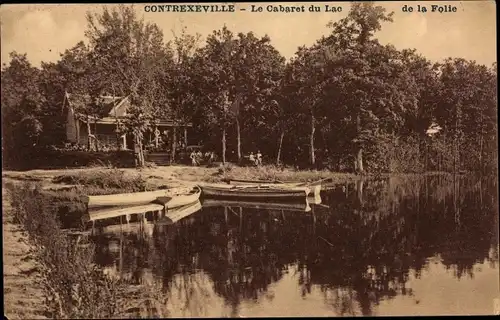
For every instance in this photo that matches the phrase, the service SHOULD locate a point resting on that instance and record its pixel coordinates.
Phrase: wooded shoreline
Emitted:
(347, 100)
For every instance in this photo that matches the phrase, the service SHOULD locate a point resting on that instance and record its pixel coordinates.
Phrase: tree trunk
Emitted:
(185, 137)
(174, 145)
(359, 161)
(313, 129)
(95, 136)
(139, 153)
(118, 138)
(481, 153)
(278, 161)
(238, 136)
(142, 161)
(88, 132)
(481, 142)
(359, 189)
(224, 145)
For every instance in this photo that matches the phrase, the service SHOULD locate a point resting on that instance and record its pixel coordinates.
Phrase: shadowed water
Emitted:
(412, 246)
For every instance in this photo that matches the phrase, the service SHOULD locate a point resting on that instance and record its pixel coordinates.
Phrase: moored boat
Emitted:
(315, 187)
(254, 192)
(317, 184)
(138, 198)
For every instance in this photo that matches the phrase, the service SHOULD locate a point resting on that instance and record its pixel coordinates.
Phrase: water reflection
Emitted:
(370, 248)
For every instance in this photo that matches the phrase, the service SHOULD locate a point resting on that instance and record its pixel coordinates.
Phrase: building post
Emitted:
(124, 142)
(157, 136)
(77, 125)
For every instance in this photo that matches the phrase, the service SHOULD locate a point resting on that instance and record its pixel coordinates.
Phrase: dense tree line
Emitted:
(347, 101)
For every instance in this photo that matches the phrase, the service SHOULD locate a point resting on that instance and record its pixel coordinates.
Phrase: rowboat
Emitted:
(315, 186)
(301, 206)
(278, 182)
(137, 198)
(254, 192)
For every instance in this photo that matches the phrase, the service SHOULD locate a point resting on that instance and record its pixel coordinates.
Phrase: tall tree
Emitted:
(370, 79)
(218, 79)
(130, 54)
(466, 108)
(180, 82)
(22, 108)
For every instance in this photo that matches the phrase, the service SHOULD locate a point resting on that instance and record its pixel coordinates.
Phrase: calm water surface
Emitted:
(412, 246)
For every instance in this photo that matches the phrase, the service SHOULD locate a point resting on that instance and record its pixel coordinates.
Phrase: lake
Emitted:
(397, 246)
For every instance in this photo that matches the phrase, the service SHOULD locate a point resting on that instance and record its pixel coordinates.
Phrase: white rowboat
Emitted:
(138, 198)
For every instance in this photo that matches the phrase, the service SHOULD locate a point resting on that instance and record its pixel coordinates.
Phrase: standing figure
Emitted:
(193, 158)
(252, 159)
(259, 158)
(199, 157)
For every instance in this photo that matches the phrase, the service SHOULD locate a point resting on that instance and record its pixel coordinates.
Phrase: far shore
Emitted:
(176, 175)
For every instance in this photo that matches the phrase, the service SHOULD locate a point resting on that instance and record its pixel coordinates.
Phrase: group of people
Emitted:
(197, 157)
(255, 158)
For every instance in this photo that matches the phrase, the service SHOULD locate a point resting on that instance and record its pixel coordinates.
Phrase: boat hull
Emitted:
(253, 192)
(139, 198)
(315, 188)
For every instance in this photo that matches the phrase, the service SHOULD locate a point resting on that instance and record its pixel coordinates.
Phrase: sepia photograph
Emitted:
(249, 159)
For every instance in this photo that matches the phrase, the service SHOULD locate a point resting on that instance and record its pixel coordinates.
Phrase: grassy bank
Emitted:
(274, 173)
(108, 181)
(72, 285)
(23, 297)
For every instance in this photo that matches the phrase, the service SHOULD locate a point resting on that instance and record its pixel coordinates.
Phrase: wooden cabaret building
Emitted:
(104, 129)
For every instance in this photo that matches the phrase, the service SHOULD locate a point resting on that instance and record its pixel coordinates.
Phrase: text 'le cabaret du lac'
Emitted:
(231, 8)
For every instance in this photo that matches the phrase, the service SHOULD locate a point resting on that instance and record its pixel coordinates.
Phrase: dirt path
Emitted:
(23, 299)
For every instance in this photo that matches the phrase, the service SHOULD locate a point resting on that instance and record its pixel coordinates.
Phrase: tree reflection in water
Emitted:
(358, 250)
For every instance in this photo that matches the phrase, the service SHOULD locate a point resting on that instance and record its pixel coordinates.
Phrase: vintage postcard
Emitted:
(249, 159)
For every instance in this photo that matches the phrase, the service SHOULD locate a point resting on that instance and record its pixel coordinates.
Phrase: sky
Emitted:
(43, 31)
